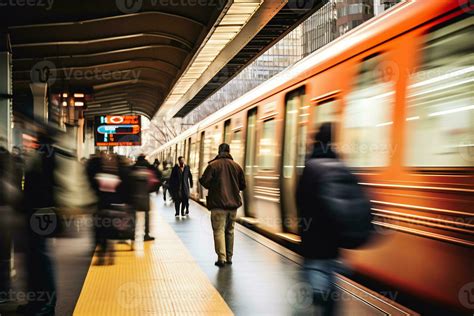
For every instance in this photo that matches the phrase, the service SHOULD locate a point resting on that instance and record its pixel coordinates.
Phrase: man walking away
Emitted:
(330, 199)
(165, 175)
(224, 179)
(156, 166)
(181, 182)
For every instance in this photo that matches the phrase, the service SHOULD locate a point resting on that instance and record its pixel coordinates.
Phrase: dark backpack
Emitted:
(345, 201)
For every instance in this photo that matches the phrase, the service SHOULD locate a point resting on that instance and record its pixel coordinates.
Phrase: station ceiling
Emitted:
(130, 54)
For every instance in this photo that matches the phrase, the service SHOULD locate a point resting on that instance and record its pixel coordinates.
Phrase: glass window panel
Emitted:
(368, 118)
(440, 114)
(250, 143)
(291, 129)
(227, 131)
(326, 112)
(236, 147)
(267, 146)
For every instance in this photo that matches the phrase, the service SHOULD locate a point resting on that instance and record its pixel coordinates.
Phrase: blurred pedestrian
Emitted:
(41, 223)
(165, 178)
(109, 175)
(181, 181)
(145, 180)
(224, 179)
(156, 166)
(19, 167)
(9, 197)
(336, 213)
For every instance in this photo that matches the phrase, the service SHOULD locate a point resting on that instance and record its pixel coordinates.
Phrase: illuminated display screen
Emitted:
(118, 130)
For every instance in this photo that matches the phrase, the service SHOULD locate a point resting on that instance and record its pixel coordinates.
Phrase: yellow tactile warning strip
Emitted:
(161, 278)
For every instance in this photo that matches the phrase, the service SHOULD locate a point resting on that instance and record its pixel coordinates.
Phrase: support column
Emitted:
(40, 104)
(6, 92)
(6, 262)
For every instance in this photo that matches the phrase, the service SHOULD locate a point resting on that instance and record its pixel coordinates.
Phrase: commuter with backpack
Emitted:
(338, 210)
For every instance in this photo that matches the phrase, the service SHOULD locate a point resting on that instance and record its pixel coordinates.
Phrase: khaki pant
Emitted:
(223, 222)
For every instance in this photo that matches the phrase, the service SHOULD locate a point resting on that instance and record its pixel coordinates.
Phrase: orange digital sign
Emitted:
(118, 130)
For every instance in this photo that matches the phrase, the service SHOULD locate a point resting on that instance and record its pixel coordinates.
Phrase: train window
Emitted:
(236, 146)
(440, 113)
(327, 111)
(250, 143)
(294, 150)
(368, 117)
(266, 151)
(227, 132)
(200, 157)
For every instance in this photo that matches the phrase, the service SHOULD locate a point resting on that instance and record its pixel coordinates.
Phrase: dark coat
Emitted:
(39, 182)
(140, 184)
(327, 195)
(224, 179)
(180, 183)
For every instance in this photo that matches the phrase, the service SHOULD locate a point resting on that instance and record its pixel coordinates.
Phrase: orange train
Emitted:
(400, 89)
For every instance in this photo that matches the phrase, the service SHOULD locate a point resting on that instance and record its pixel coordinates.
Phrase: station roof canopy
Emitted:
(138, 56)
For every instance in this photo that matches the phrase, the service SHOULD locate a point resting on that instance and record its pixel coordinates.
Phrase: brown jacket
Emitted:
(224, 179)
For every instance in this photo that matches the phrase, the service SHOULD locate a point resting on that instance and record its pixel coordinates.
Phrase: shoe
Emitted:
(219, 264)
(148, 238)
(25, 308)
(176, 215)
(187, 213)
(47, 310)
(229, 262)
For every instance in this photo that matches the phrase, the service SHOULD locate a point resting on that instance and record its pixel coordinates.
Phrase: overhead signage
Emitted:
(118, 130)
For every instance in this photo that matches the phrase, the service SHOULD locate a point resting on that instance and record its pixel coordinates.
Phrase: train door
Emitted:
(201, 163)
(250, 160)
(236, 150)
(294, 154)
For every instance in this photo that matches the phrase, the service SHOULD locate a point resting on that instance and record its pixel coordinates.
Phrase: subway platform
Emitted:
(175, 275)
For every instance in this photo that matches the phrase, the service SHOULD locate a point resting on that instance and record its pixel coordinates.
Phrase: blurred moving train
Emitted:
(400, 89)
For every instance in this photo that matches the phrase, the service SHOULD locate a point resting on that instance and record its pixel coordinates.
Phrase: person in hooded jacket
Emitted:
(337, 209)
(224, 179)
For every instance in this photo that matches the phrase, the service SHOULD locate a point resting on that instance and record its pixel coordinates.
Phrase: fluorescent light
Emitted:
(381, 96)
(77, 103)
(413, 118)
(65, 95)
(78, 95)
(455, 84)
(461, 109)
(384, 124)
(236, 17)
(443, 77)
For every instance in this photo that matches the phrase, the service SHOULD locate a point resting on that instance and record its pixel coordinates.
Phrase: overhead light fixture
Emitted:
(65, 95)
(64, 103)
(78, 103)
(78, 95)
(230, 25)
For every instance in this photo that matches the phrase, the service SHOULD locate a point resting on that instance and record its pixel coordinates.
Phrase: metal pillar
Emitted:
(40, 104)
(6, 262)
(5, 99)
